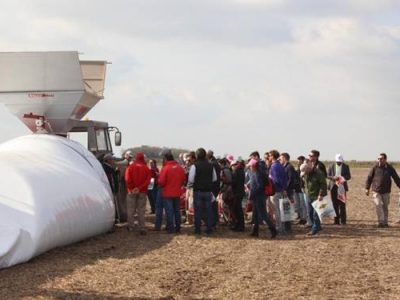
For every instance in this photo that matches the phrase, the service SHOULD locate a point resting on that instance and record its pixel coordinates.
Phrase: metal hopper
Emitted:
(49, 91)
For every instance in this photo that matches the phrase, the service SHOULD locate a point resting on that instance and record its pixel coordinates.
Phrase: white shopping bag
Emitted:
(287, 210)
(324, 208)
(151, 184)
(213, 199)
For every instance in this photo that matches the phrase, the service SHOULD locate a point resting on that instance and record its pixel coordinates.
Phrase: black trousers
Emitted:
(238, 212)
(214, 206)
(339, 206)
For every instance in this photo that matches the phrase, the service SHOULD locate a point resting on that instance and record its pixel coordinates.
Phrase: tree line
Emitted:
(154, 152)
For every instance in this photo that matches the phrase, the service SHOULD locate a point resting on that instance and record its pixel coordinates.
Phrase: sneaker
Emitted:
(386, 225)
(380, 225)
(312, 232)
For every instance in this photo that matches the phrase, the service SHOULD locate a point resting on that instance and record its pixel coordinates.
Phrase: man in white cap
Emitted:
(339, 174)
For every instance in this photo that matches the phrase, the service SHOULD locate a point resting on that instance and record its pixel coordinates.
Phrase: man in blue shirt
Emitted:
(279, 178)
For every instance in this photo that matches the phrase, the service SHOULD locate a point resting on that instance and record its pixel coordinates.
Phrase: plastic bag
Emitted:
(151, 184)
(287, 210)
(341, 191)
(324, 208)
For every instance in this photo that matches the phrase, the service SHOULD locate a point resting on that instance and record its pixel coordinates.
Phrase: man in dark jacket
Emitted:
(201, 176)
(314, 158)
(379, 180)
(316, 189)
(339, 168)
(216, 186)
(113, 178)
(292, 182)
(238, 179)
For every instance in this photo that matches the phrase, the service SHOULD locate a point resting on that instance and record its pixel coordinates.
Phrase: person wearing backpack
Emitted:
(257, 195)
(263, 168)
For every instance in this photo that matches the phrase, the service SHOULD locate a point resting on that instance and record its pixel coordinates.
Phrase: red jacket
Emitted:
(171, 180)
(137, 175)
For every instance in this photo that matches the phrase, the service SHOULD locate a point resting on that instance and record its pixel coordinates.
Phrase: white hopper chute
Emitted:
(53, 192)
(54, 87)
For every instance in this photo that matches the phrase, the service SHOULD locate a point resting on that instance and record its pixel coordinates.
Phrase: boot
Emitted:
(254, 231)
(274, 232)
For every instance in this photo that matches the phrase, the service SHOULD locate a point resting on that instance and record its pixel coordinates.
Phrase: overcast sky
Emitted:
(231, 75)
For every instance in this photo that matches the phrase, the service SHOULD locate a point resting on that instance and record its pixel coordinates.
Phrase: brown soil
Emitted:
(356, 261)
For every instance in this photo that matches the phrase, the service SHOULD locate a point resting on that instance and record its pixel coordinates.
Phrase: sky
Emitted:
(231, 75)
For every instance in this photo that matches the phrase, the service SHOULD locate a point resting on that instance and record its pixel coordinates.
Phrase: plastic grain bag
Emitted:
(54, 192)
(287, 210)
(324, 208)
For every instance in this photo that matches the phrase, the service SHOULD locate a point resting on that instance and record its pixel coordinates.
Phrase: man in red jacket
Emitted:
(171, 180)
(137, 179)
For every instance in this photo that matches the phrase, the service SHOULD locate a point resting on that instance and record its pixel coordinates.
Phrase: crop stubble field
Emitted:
(356, 261)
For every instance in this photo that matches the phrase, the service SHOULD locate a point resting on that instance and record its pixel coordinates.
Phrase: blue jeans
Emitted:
(300, 206)
(316, 222)
(260, 212)
(172, 208)
(152, 195)
(202, 200)
(159, 210)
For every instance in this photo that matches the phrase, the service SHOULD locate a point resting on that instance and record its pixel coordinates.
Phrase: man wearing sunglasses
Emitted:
(379, 181)
(314, 158)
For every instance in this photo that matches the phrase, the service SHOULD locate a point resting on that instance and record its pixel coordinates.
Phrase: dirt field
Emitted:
(356, 261)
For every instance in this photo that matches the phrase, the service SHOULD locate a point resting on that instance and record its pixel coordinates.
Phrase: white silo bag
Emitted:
(53, 192)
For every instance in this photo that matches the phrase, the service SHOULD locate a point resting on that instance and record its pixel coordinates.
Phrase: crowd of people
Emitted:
(202, 190)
